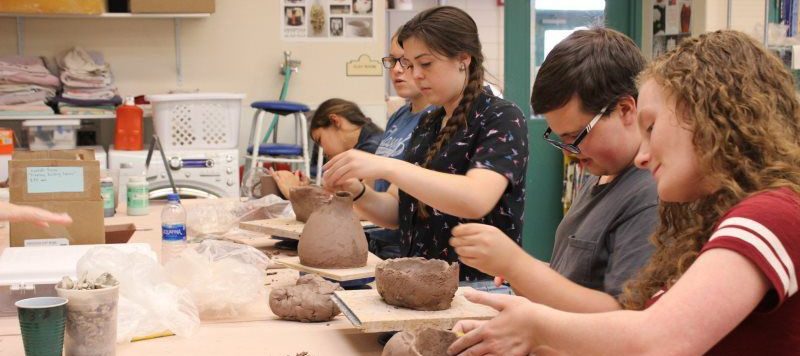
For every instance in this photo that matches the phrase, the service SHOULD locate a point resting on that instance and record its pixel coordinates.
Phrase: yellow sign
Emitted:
(364, 66)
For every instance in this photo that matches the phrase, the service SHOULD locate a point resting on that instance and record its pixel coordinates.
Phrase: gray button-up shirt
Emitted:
(604, 238)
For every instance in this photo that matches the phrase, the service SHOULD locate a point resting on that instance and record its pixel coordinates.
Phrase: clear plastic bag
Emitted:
(222, 277)
(148, 302)
(216, 217)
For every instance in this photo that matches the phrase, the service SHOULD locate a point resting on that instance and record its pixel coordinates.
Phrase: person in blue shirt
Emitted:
(385, 243)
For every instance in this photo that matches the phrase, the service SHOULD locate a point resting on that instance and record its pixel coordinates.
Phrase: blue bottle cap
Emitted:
(173, 197)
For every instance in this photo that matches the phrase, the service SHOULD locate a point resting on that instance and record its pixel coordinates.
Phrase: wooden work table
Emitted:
(255, 332)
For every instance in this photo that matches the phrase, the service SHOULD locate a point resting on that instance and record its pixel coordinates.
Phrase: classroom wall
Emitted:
(237, 49)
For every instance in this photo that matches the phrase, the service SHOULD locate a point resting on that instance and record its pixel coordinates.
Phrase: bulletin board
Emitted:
(672, 22)
(327, 20)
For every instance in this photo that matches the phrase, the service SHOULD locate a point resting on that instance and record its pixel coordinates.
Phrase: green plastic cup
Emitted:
(42, 322)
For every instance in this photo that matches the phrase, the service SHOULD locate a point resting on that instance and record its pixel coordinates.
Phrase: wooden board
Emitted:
(341, 275)
(367, 311)
(288, 228)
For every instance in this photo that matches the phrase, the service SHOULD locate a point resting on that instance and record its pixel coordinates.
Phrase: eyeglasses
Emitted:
(389, 62)
(573, 147)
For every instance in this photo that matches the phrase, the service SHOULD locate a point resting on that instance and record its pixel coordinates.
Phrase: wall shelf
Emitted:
(176, 18)
(107, 15)
(56, 117)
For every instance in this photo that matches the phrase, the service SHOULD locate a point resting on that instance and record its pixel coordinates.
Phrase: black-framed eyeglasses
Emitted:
(389, 62)
(573, 147)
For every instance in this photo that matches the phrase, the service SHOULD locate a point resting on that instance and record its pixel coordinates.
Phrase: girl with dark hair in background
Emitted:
(465, 161)
(339, 125)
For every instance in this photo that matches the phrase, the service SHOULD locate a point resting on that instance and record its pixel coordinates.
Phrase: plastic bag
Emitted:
(148, 303)
(216, 217)
(222, 277)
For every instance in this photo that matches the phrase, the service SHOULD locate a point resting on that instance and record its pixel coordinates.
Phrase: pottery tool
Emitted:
(345, 276)
(282, 227)
(367, 311)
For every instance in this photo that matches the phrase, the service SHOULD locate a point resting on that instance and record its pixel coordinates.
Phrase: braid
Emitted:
(457, 121)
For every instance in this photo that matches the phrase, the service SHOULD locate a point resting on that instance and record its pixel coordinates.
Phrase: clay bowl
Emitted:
(420, 342)
(417, 283)
(306, 199)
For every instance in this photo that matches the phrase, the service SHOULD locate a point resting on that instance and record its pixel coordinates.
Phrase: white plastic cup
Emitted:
(91, 321)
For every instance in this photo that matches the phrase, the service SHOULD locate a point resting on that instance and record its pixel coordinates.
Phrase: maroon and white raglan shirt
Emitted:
(765, 228)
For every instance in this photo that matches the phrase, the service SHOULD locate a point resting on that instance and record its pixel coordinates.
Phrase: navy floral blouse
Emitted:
(495, 138)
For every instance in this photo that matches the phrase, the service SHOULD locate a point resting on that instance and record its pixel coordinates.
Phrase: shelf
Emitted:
(108, 15)
(56, 117)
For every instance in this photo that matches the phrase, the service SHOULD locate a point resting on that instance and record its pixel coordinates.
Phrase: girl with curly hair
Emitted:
(720, 121)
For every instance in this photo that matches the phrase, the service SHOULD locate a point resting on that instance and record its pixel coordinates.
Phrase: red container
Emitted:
(129, 127)
(6, 141)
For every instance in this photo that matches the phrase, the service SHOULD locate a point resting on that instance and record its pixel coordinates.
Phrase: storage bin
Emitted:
(52, 134)
(197, 121)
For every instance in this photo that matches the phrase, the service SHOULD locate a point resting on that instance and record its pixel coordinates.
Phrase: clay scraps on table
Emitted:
(307, 301)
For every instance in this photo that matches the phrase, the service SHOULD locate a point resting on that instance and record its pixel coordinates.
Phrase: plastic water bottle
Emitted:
(173, 228)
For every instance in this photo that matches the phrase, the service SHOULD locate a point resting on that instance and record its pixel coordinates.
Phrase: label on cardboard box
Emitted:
(46, 242)
(55, 179)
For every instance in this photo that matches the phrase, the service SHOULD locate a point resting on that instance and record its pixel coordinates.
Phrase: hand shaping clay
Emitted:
(333, 237)
(420, 342)
(306, 199)
(307, 301)
(417, 283)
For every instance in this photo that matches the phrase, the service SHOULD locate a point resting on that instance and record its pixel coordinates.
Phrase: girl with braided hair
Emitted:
(466, 160)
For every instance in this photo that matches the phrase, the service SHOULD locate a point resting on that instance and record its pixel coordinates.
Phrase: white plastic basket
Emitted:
(197, 121)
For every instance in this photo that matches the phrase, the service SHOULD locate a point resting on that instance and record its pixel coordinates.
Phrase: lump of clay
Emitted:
(333, 236)
(420, 342)
(307, 301)
(417, 283)
(306, 199)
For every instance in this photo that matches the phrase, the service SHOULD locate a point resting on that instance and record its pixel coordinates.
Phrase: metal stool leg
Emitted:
(301, 119)
(320, 158)
(256, 142)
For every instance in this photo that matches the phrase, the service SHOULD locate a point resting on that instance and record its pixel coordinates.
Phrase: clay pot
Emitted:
(306, 199)
(307, 301)
(420, 342)
(333, 236)
(417, 283)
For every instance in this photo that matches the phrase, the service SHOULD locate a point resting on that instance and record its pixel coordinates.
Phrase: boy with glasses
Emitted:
(586, 91)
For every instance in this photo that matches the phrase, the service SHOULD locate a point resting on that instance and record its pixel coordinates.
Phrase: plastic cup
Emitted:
(42, 322)
(91, 321)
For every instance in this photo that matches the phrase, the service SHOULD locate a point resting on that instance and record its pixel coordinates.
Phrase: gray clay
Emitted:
(333, 237)
(307, 301)
(420, 342)
(306, 199)
(417, 283)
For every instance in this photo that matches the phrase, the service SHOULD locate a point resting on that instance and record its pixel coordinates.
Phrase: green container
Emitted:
(42, 323)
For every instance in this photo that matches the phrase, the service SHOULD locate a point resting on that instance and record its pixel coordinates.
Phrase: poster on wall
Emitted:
(334, 20)
(672, 22)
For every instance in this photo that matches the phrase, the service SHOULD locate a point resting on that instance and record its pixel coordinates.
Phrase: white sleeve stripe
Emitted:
(761, 247)
(773, 241)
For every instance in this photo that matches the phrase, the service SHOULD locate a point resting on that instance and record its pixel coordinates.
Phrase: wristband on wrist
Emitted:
(363, 190)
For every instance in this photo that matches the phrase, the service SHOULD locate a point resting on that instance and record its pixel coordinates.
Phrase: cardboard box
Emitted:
(172, 6)
(59, 181)
(79, 7)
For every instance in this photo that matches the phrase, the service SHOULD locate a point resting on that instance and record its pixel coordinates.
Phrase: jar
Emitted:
(138, 196)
